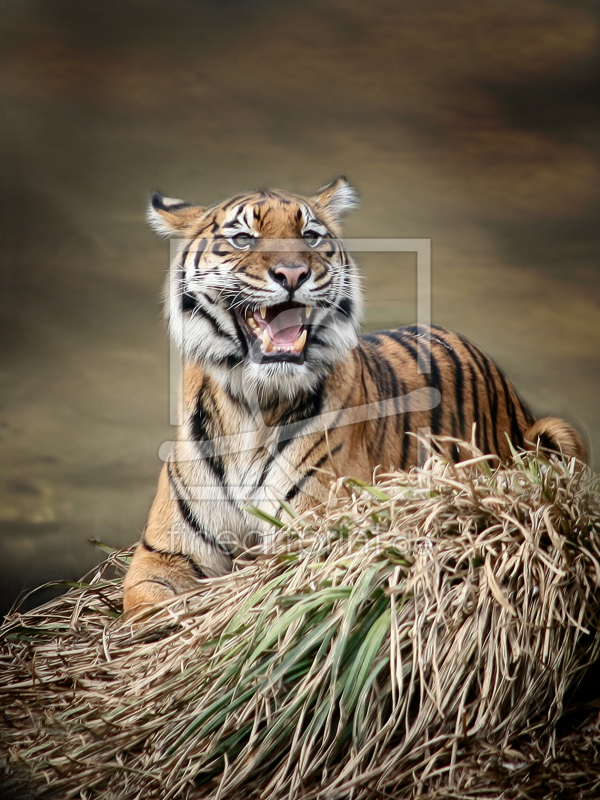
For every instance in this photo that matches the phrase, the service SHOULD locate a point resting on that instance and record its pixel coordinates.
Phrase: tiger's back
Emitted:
(472, 391)
(281, 395)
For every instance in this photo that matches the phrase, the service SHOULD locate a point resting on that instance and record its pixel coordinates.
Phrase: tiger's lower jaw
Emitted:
(281, 356)
(270, 381)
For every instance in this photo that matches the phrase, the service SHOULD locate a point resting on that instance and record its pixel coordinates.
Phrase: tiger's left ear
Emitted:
(335, 199)
(168, 216)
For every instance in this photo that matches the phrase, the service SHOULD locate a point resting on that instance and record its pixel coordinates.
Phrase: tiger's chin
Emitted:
(271, 380)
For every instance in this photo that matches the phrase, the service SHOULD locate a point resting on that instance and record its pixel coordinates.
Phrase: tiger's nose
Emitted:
(290, 276)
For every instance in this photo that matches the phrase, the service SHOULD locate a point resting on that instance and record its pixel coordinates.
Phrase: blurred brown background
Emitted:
(475, 124)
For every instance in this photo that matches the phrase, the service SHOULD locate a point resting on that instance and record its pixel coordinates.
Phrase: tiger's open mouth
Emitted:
(276, 333)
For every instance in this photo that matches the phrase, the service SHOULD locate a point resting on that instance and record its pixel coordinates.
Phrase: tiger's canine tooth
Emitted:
(263, 311)
(266, 340)
(300, 342)
(308, 311)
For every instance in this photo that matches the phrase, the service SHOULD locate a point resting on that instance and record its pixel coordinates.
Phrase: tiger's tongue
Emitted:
(286, 327)
(286, 335)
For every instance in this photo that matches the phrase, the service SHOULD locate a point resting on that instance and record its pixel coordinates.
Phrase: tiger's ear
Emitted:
(168, 216)
(335, 199)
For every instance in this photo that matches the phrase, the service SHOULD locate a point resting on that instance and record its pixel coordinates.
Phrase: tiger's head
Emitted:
(261, 288)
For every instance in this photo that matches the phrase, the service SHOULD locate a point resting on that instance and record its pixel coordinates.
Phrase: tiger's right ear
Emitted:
(334, 200)
(168, 216)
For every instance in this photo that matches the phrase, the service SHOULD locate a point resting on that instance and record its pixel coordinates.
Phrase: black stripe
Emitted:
(297, 487)
(180, 279)
(295, 421)
(370, 360)
(391, 377)
(432, 378)
(486, 365)
(478, 416)
(188, 302)
(202, 227)
(186, 511)
(493, 374)
(228, 361)
(201, 423)
(324, 285)
(395, 393)
(221, 248)
(406, 440)
(198, 253)
(346, 307)
(198, 571)
(237, 400)
(235, 222)
(383, 393)
(516, 433)
(474, 400)
(399, 335)
(404, 418)
(306, 408)
(214, 323)
(371, 338)
(270, 460)
(240, 334)
(363, 357)
(185, 253)
(232, 201)
(322, 438)
(267, 465)
(459, 387)
(162, 582)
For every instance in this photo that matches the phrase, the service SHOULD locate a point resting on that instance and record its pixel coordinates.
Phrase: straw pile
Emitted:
(423, 637)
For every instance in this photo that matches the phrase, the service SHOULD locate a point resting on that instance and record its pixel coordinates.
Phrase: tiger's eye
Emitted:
(311, 238)
(242, 240)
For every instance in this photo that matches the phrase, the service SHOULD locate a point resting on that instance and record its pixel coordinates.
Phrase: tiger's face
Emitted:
(262, 290)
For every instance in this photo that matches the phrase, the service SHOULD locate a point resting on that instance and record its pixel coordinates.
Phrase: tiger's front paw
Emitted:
(143, 597)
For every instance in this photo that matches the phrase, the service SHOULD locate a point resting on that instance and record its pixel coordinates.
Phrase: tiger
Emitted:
(281, 395)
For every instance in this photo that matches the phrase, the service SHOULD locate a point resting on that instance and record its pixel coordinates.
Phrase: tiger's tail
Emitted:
(553, 433)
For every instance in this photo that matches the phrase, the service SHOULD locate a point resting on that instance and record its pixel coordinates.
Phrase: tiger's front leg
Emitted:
(174, 554)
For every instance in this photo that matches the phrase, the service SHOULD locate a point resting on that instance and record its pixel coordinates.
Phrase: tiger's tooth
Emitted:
(266, 340)
(308, 311)
(300, 342)
(263, 312)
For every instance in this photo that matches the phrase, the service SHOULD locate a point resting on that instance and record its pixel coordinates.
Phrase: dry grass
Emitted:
(421, 638)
